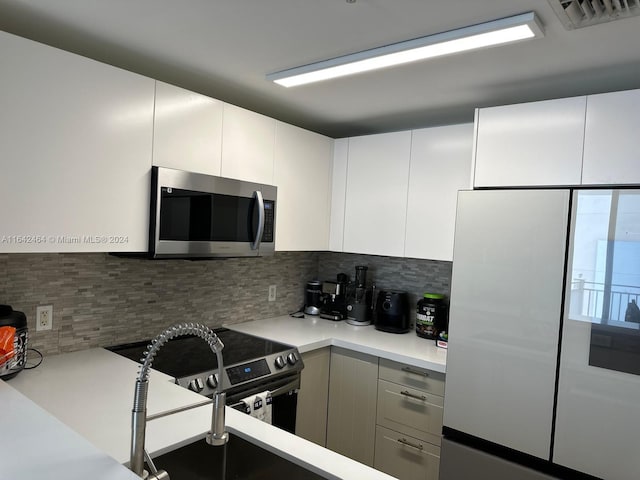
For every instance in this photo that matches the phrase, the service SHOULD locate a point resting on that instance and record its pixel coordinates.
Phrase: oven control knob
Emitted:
(212, 381)
(197, 385)
(280, 363)
(291, 358)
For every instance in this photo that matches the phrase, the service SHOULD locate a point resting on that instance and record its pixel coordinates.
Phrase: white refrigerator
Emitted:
(531, 391)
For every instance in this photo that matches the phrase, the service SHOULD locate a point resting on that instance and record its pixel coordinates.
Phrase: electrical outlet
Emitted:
(272, 293)
(44, 317)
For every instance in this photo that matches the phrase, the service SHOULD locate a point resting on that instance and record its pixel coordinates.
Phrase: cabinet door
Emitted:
(415, 377)
(302, 173)
(187, 132)
(440, 166)
(376, 201)
(506, 293)
(311, 416)
(248, 142)
(75, 148)
(410, 411)
(611, 154)
(530, 144)
(351, 421)
(404, 457)
(338, 193)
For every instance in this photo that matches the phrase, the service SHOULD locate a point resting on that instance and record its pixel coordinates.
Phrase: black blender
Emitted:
(359, 299)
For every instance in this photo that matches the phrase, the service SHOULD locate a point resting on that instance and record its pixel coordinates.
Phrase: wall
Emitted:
(412, 275)
(101, 300)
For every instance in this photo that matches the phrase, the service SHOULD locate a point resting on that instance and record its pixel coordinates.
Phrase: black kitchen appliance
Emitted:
(392, 311)
(252, 365)
(313, 297)
(334, 296)
(13, 342)
(359, 299)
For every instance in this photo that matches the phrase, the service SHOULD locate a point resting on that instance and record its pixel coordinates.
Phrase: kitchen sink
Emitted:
(244, 461)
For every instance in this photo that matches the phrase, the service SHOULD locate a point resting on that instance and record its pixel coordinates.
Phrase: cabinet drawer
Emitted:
(405, 457)
(415, 377)
(410, 411)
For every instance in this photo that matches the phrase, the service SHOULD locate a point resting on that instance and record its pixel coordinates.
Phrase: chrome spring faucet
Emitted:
(216, 436)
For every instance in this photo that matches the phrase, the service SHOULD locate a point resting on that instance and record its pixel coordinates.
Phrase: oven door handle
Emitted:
(294, 385)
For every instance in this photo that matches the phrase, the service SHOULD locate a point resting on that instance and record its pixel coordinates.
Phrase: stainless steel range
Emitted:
(252, 365)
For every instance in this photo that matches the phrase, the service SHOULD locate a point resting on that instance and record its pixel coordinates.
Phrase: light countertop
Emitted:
(88, 395)
(37, 446)
(75, 409)
(311, 333)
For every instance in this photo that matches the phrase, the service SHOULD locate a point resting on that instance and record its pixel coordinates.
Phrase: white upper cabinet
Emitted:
(376, 194)
(338, 193)
(75, 151)
(187, 130)
(440, 166)
(611, 154)
(302, 173)
(248, 145)
(530, 144)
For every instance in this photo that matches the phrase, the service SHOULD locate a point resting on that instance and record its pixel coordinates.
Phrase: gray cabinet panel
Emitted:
(352, 404)
(459, 462)
(311, 417)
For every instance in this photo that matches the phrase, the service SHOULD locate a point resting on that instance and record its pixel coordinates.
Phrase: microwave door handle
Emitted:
(255, 245)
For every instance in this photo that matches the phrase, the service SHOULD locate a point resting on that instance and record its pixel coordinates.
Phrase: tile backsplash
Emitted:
(101, 300)
(412, 275)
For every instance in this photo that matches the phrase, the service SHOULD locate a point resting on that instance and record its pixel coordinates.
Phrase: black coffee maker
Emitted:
(313, 297)
(334, 294)
(359, 296)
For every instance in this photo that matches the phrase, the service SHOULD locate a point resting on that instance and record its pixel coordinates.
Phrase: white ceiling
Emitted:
(224, 48)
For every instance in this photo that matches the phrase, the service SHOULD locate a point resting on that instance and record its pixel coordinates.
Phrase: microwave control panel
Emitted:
(269, 220)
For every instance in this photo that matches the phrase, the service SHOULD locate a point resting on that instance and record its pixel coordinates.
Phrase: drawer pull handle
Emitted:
(412, 395)
(406, 442)
(415, 372)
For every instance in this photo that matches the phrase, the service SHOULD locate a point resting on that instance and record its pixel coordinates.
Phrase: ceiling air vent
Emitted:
(583, 13)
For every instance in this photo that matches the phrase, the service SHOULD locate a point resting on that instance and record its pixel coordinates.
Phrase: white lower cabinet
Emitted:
(311, 415)
(409, 421)
(351, 422)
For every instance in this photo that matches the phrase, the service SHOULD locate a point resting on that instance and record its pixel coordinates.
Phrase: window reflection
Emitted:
(605, 275)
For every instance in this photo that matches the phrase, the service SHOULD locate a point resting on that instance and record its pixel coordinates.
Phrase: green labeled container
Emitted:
(431, 316)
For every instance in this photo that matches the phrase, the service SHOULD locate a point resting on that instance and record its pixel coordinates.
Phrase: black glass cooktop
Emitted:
(184, 356)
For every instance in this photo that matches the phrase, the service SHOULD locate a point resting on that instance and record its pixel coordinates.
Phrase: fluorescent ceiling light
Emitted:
(497, 32)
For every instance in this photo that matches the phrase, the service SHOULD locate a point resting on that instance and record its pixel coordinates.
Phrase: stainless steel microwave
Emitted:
(199, 216)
